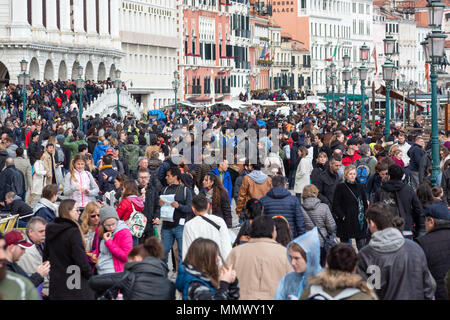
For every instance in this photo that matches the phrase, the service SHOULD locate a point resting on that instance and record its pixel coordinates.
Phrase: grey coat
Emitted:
(320, 212)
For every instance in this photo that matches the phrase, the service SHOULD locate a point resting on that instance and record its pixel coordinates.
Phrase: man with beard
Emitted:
(12, 285)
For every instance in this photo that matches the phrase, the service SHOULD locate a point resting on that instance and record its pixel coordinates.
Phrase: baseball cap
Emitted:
(16, 238)
(437, 210)
(109, 151)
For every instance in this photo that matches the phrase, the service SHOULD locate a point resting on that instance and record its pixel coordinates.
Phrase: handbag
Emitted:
(328, 242)
(137, 223)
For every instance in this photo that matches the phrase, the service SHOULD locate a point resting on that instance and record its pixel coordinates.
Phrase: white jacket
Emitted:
(199, 228)
(404, 148)
(38, 180)
(86, 180)
(303, 174)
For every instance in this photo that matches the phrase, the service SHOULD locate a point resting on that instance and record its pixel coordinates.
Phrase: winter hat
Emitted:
(106, 213)
(447, 144)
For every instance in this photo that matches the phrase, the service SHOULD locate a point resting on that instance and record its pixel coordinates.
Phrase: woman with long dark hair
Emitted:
(66, 251)
(217, 196)
(199, 276)
(253, 209)
(425, 195)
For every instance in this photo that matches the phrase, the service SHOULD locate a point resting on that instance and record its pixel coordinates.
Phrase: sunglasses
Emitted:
(95, 215)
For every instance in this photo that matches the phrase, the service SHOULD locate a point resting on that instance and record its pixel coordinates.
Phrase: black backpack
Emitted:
(393, 201)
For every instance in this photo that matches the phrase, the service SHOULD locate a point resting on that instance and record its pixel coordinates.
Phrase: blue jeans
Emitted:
(168, 237)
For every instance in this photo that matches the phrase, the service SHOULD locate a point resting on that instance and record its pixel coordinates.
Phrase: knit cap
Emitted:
(108, 212)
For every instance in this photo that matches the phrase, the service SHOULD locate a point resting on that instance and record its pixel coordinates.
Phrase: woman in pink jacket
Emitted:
(117, 242)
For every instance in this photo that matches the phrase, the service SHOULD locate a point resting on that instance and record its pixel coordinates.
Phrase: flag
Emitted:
(334, 54)
(263, 54)
(267, 56)
(374, 55)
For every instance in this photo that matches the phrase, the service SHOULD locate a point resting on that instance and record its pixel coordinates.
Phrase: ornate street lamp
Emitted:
(333, 81)
(346, 76)
(80, 87)
(24, 80)
(434, 51)
(118, 86)
(354, 83)
(175, 86)
(363, 70)
(388, 77)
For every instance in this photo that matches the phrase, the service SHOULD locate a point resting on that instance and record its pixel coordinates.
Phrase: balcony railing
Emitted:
(227, 63)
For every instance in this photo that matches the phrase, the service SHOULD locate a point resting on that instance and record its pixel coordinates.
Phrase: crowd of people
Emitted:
(119, 206)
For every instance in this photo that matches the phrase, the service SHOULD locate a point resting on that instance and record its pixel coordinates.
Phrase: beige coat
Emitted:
(260, 264)
(24, 165)
(48, 166)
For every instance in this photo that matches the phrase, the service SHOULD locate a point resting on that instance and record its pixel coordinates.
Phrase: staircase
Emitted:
(106, 104)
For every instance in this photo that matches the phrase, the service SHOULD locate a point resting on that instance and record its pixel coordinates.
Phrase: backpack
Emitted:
(390, 198)
(136, 223)
(362, 171)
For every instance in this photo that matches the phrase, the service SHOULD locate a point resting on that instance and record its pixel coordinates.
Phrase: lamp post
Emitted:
(364, 56)
(80, 87)
(24, 80)
(328, 82)
(354, 83)
(346, 75)
(247, 88)
(404, 87)
(118, 86)
(175, 86)
(434, 51)
(333, 81)
(389, 70)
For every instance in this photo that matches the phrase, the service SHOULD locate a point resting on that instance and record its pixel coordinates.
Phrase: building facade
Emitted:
(150, 39)
(57, 36)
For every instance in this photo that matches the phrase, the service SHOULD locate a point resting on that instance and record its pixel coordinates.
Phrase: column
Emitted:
(37, 20)
(104, 24)
(92, 22)
(78, 16)
(115, 33)
(19, 27)
(64, 19)
(52, 27)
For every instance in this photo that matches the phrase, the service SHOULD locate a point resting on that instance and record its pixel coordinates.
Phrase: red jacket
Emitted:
(348, 160)
(125, 209)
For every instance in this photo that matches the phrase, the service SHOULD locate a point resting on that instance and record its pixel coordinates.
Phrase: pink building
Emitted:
(207, 53)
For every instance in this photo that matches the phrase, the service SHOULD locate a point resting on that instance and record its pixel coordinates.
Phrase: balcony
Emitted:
(191, 60)
(283, 64)
(227, 62)
(195, 90)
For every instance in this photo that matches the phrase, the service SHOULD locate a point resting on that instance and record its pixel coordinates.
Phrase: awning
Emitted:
(398, 96)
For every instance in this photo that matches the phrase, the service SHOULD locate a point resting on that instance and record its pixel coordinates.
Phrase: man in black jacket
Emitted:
(402, 200)
(396, 267)
(11, 179)
(436, 244)
(34, 147)
(328, 179)
(415, 154)
(15, 248)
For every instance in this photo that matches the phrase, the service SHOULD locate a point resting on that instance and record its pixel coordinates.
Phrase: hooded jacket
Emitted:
(313, 208)
(99, 151)
(279, 201)
(144, 280)
(116, 248)
(256, 184)
(45, 209)
(125, 207)
(194, 285)
(291, 286)
(410, 207)
(415, 154)
(402, 267)
(132, 152)
(65, 250)
(436, 245)
(337, 284)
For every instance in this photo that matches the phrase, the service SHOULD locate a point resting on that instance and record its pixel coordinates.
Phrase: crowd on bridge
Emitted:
(132, 209)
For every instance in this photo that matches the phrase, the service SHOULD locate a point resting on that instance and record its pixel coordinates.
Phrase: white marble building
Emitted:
(149, 33)
(56, 36)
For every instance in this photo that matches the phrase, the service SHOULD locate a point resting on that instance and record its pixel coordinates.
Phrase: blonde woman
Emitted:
(79, 184)
(90, 223)
(349, 207)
